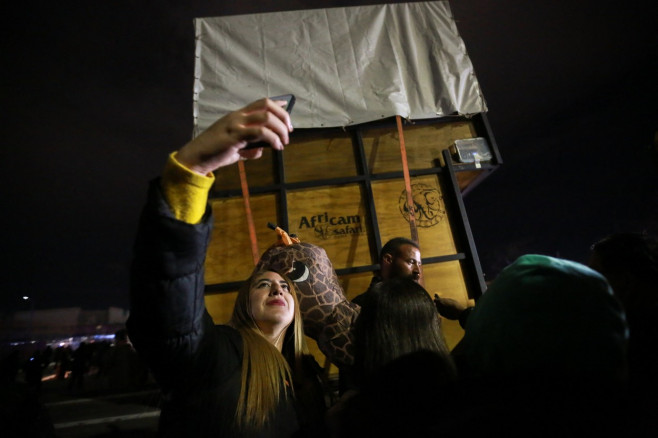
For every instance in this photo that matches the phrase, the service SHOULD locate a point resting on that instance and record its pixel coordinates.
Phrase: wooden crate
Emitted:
(344, 190)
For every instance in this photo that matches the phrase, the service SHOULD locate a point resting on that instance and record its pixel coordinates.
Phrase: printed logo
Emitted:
(325, 226)
(428, 207)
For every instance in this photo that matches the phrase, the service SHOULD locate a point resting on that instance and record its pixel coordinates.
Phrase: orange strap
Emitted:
(247, 210)
(407, 183)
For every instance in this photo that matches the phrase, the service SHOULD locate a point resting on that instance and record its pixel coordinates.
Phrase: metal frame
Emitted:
(447, 174)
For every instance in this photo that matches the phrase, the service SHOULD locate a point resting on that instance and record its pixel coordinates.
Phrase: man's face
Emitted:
(405, 264)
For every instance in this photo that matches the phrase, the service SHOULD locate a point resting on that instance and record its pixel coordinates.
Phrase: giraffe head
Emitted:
(309, 267)
(328, 315)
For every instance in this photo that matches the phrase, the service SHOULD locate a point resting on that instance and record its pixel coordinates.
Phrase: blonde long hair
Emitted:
(265, 371)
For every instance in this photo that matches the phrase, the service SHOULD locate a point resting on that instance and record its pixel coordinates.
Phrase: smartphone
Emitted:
(290, 102)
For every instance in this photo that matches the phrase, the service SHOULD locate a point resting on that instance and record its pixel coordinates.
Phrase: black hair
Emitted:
(397, 318)
(631, 253)
(393, 246)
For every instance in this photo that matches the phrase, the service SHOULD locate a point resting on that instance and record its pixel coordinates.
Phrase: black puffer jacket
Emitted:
(197, 364)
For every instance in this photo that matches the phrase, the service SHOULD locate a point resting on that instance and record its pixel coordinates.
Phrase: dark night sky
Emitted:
(97, 93)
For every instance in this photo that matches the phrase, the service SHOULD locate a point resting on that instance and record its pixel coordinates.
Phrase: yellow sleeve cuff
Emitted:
(186, 191)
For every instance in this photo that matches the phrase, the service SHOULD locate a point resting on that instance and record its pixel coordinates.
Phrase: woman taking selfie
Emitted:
(245, 378)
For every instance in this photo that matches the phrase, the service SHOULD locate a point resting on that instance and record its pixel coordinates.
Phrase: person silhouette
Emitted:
(545, 351)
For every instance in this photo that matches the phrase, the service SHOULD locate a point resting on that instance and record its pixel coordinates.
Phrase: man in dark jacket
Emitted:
(399, 258)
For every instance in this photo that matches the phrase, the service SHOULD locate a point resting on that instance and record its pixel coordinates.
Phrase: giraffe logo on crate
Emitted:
(428, 207)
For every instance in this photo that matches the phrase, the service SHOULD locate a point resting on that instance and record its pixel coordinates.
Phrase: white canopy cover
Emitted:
(344, 65)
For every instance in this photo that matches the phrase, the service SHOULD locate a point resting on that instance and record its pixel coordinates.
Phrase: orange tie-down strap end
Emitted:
(284, 238)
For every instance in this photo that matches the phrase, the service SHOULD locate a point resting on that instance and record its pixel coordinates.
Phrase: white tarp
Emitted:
(344, 65)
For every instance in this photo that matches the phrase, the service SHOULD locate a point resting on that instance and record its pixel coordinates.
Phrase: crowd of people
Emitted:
(113, 366)
(91, 368)
(554, 347)
(550, 348)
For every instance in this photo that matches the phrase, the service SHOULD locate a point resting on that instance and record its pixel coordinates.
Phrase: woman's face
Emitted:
(271, 301)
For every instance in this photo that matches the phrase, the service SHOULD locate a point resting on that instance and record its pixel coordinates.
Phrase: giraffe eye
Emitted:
(299, 272)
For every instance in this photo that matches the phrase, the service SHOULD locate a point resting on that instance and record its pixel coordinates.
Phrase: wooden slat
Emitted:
(229, 257)
(424, 144)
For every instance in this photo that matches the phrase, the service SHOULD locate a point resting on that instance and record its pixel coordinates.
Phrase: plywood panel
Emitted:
(333, 218)
(434, 233)
(447, 280)
(220, 306)
(452, 332)
(229, 257)
(355, 284)
(424, 144)
(259, 173)
(319, 157)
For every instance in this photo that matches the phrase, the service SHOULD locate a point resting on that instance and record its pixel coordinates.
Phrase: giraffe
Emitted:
(328, 315)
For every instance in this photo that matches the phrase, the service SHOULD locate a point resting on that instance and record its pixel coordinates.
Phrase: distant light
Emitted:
(25, 297)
